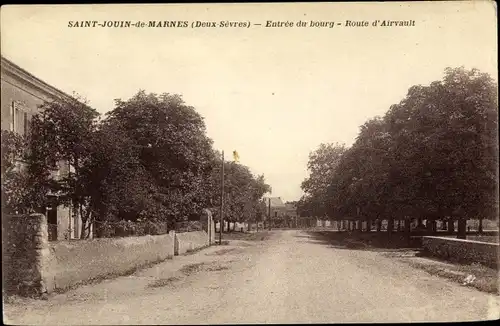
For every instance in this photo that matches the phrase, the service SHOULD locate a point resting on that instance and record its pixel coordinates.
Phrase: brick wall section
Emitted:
(462, 250)
(26, 255)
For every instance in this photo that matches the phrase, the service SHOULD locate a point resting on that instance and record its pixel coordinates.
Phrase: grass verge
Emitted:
(474, 275)
(248, 236)
(191, 268)
(163, 282)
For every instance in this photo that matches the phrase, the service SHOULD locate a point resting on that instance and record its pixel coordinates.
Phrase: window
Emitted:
(12, 116)
(25, 123)
(19, 114)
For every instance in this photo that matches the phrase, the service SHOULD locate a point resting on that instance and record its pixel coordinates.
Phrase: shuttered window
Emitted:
(19, 115)
(25, 122)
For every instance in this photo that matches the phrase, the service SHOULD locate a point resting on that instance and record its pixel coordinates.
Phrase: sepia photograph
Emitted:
(250, 163)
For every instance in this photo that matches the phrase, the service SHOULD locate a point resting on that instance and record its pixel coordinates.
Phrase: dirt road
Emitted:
(289, 278)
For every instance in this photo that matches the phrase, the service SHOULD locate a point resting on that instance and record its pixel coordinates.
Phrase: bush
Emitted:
(188, 226)
(125, 228)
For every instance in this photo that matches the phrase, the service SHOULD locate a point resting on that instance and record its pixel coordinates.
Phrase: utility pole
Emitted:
(269, 210)
(221, 201)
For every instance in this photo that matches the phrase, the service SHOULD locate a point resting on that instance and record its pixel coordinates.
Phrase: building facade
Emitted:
(291, 210)
(22, 94)
(275, 207)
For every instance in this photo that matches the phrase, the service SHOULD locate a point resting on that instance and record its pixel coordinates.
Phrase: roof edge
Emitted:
(16, 70)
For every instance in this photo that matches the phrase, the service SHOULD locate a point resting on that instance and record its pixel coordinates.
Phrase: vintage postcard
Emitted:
(250, 163)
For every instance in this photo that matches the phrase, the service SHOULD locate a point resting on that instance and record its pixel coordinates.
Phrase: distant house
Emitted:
(291, 210)
(22, 94)
(275, 208)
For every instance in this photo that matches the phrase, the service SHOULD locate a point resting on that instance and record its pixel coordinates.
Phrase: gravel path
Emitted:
(290, 278)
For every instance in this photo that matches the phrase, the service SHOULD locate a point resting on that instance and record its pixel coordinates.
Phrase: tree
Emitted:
(321, 165)
(119, 186)
(172, 147)
(432, 155)
(18, 195)
(446, 139)
(243, 192)
(61, 135)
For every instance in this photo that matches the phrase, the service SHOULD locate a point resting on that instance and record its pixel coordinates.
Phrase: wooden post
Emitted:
(221, 224)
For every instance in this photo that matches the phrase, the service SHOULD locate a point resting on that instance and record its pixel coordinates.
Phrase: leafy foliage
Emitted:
(15, 194)
(61, 139)
(322, 165)
(434, 155)
(242, 192)
(148, 162)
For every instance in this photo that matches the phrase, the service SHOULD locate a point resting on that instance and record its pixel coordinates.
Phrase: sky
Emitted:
(272, 94)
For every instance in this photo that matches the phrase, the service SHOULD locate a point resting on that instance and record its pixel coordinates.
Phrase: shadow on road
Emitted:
(361, 241)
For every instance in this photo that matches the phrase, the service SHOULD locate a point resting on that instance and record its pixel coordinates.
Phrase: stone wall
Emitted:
(26, 255)
(462, 250)
(79, 261)
(32, 265)
(189, 241)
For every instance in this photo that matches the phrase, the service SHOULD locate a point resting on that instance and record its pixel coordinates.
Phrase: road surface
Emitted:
(290, 278)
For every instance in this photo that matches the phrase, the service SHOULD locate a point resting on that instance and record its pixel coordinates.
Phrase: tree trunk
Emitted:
(462, 229)
(390, 225)
(379, 226)
(399, 225)
(83, 220)
(451, 226)
(82, 230)
(368, 225)
(480, 227)
(429, 225)
(407, 227)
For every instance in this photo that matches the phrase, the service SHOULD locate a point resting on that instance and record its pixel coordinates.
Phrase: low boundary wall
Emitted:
(32, 265)
(78, 261)
(462, 250)
(189, 241)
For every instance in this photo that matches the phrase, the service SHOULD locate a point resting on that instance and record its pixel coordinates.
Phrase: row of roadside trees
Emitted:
(149, 158)
(433, 156)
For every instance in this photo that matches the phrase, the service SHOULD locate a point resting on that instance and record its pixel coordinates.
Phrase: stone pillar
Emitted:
(176, 242)
(208, 225)
(27, 259)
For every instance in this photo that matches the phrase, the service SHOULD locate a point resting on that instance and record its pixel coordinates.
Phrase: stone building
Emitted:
(22, 94)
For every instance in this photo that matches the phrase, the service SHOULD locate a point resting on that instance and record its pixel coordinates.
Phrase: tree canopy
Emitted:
(433, 155)
(147, 158)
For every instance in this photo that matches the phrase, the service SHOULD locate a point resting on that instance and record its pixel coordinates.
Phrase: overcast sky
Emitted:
(272, 94)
